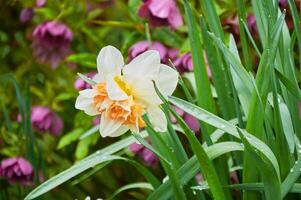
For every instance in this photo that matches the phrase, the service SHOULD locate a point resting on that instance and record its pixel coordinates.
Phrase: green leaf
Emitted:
(204, 94)
(89, 132)
(226, 126)
(212, 18)
(288, 84)
(286, 122)
(84, 59)
(167, 154)
(68, 138)
(295, 172)
(86, 79)
(269, 175)
(206, 165)
(217, 73)
(191, 167)
(133, 6)
(296, 188)
(82, 148)
(100, 156)
(140, 185)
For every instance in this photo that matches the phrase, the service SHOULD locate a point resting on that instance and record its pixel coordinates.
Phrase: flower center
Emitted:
(124, 86)
(117, 112)
(136, 116)
(100, 97)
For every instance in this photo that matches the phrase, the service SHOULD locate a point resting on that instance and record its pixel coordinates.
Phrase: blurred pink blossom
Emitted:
(26, 15)
(142, 46)
(161, 13)
(41, 3)
(17, 170)
(51, 42)
(80, 84)
(185, 64)
(251, 22)
(45, 120)
(190, 120)
(149, 158)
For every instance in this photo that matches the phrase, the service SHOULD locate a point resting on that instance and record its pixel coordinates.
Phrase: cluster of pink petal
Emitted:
(17, 170)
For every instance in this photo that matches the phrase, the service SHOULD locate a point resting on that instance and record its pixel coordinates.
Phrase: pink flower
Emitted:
(17, 170)
(190, 120)
(232, 25)
(161, 13)
(142, 46)
(148, 157)
(185, 64)
(80, 84)
(51, 42)
(282, 4)
(41, 3)
(251, 22)
(26, 15)
(172, 54)
(44, 120)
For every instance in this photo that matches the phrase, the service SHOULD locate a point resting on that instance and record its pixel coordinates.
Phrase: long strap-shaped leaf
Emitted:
(100, 156)
(191, 167)
(204, 95)
(206, 165)
(222, 124)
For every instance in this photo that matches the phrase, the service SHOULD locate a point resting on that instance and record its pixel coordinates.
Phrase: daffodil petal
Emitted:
(99, 78)
(157, 118)
(145, 65)
(114, 91)
(82, 102)
(86, 104)
(88, 93)
(108, 127)
(121, 130)
(144, 91)
(166, 80)
(90, 110)
(109, 61)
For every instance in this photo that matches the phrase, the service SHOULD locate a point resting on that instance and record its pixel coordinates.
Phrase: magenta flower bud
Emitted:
(149, 158)
(136, 148)
(180, 113)
(142, 46)
(26, 15)
(251, 21)
(282, 4)
(172, 54)
(161, 13)
(51, 42)
(17, 170)
(41, 3)
(232, 25)
(44, 120)
(80, 84)
(192, 122)
(184, 63)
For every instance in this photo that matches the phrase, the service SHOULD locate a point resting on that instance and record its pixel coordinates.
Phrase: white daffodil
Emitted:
(123, 93)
